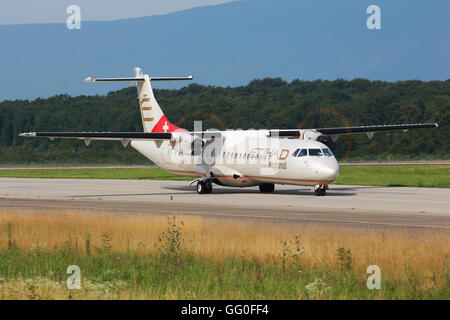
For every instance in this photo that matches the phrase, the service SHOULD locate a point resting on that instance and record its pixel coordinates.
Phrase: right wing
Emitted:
(124, 137)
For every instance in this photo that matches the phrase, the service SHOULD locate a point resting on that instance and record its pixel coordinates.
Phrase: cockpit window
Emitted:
(295, 152)
(315, 152)
(327, 152)
(302, 153)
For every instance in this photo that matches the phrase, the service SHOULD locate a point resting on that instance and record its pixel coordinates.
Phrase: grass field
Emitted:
(98, 173)
(124, 256)
(412, 176)
(409, 176)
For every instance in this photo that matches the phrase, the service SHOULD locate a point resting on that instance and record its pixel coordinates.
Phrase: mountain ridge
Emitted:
(229, 45)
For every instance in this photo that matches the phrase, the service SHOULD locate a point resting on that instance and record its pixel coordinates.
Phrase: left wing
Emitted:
(370, 130)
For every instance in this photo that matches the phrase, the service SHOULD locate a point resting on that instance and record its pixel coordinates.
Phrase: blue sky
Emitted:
(47, 11)
(224, 44)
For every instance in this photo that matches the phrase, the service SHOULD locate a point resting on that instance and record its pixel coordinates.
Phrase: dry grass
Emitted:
(393, 250)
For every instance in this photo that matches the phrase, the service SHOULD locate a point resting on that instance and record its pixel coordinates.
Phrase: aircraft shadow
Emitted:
(127, 194)
(358, 187)
(220, 190)
(191, 190)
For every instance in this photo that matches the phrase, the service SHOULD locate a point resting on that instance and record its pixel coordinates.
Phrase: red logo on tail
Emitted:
(164, 125)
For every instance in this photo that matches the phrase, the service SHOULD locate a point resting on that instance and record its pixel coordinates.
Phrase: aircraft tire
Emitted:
(201, 187)
(266, 187)
(321, 192)
(208, 187)
(204, 187)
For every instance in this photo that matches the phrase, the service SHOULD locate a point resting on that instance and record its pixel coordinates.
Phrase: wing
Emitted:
(370, 130)
(124, 137)
(391, 127)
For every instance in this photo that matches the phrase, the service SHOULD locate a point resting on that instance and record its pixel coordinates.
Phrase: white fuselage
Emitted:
(248, 158)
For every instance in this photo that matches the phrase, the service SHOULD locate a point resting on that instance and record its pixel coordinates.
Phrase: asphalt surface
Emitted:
(360, 206)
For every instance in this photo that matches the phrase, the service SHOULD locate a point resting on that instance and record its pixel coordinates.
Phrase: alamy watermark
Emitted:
(373, 22)
(74, 280)
(374, 281)
(74, 19)
(240, 147)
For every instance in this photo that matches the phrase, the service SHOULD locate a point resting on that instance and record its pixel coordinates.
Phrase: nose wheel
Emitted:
(320, 190)
(204, 187)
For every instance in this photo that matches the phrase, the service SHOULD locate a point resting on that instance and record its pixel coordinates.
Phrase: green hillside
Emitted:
(267, 103)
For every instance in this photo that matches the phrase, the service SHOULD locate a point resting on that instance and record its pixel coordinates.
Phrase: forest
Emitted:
(270, 103)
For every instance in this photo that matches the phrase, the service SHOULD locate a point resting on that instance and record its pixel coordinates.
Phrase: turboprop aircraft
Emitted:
(237, 158)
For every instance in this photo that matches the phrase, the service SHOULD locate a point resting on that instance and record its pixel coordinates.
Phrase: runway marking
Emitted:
(249, 216)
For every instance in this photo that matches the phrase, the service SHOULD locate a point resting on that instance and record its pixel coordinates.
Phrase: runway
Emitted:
(398, 207)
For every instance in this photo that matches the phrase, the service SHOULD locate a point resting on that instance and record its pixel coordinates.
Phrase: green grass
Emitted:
(128, 275)
(100, 173)
(436, 176)
(175, 273)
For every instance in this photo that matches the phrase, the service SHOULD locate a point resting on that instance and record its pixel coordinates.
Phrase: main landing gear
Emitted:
(266, 187)
(321, 189)
(204, 186)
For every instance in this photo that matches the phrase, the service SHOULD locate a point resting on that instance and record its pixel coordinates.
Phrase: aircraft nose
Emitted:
(329, 171)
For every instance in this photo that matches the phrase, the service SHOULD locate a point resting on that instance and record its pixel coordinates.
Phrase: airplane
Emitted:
(235, 158)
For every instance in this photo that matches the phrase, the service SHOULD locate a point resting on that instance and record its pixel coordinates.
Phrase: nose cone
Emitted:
(328, 171)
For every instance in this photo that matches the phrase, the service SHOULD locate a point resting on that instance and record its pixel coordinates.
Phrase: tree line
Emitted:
(265, 103)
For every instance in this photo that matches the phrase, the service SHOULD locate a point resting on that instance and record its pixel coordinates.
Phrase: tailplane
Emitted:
(153, 118)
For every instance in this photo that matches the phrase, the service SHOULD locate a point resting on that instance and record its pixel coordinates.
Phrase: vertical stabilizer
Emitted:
(151, 112)
(153, 119)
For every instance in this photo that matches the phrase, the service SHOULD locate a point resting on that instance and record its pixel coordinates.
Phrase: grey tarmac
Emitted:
(356, 206)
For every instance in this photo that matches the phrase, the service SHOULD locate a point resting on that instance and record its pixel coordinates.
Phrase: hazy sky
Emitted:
(35, 11)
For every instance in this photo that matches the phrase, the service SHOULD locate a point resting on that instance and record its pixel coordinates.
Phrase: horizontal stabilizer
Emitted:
(92, 79)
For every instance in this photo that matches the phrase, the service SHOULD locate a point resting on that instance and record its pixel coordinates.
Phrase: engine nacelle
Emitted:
(310, 134)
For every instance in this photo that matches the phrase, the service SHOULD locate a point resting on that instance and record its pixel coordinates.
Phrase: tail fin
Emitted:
(153, 118)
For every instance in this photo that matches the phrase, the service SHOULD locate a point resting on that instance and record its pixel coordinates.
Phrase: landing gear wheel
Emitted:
(208, 187)
(204, 187)
(321, 192)
(266, 187)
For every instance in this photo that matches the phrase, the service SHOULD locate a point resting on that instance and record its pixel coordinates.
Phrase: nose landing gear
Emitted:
(321, 189)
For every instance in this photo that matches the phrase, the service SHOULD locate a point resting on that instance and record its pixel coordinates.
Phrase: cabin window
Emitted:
(327, 152)
(315, 152)
(302, 153)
